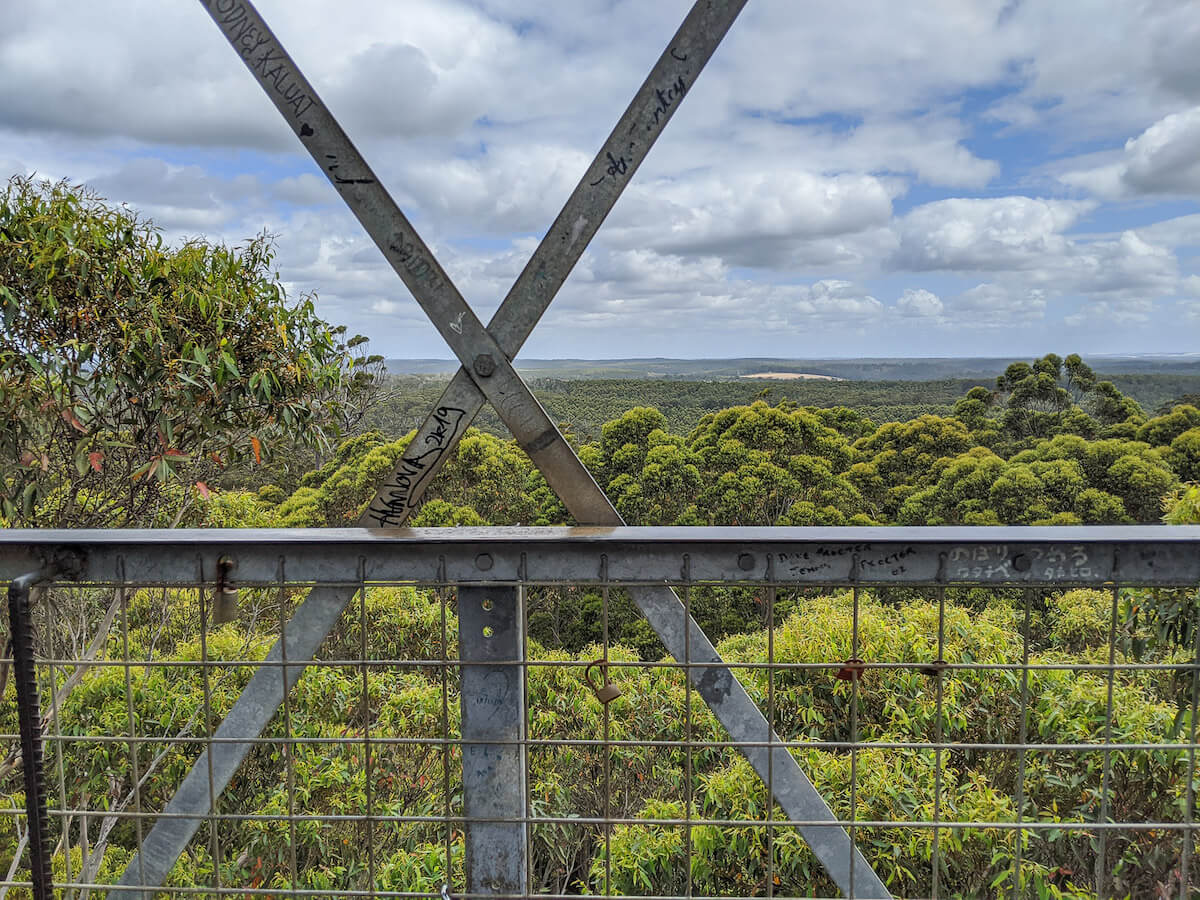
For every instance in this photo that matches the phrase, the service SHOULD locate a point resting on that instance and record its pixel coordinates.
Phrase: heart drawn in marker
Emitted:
(306, 130)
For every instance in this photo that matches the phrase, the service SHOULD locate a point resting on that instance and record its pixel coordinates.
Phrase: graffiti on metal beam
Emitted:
(668, 98)
(392, 504)
(410, 254)
(266, 60)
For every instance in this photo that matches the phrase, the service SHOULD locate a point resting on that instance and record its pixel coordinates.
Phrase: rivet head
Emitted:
(746, 562)
(484, 366)
(1022, 563)
(483, 562)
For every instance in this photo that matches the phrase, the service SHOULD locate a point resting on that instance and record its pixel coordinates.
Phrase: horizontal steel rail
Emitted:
(1091, 555)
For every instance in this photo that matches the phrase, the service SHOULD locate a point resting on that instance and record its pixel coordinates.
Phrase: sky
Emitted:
(859, 178)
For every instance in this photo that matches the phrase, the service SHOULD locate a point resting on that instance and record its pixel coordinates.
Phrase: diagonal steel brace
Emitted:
(487, 352)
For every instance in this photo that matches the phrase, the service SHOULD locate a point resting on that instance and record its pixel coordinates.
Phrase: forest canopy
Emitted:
(1047, 444)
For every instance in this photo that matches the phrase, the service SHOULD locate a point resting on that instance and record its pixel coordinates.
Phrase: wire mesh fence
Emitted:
(490, 731)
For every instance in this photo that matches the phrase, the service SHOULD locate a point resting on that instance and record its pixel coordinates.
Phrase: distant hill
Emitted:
(865, 369)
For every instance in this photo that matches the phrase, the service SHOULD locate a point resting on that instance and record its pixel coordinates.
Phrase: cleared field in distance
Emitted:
(863, 369)
(584, 404)
(793, 376)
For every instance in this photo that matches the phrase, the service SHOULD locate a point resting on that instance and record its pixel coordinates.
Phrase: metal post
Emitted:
(492, 630)
(30, 722)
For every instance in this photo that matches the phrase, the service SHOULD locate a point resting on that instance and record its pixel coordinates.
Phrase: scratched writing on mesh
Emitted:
(420, 462)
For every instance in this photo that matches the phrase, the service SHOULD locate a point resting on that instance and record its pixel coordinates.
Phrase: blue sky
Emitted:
(957, 177)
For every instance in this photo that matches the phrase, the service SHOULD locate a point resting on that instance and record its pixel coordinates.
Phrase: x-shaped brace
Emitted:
(488, 376)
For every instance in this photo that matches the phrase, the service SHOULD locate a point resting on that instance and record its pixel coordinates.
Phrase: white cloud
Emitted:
(304, 190)
(422, 97)
(182, 198)
(144, 70)
(1163, 159)
(1096, 70)
(840, 298)
(509, 188)
(1128, 265)
(919, 303)
(641, 294)
(1129, 313)
(1180, 232)
(1166, 156)
(928, 147)
(1024, 239)
(994, 306)
(990, 234)
(756, 219)
(650, 271)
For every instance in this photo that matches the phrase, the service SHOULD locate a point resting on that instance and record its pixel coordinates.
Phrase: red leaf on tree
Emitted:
(174, 454)
(28, 459)
(256, 446)
(71, 419)
(96, 460)
(216, 457)
(203, 490)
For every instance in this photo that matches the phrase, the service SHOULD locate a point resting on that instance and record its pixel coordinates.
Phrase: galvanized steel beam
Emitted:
(736, 711)
(1098, 555)
(335, 154)
(491, 629)
(254, 708)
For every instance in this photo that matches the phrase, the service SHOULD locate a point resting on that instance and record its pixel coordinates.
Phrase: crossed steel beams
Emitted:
(488, 376)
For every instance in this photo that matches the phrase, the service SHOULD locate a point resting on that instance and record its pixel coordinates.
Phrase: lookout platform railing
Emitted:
(961, 729)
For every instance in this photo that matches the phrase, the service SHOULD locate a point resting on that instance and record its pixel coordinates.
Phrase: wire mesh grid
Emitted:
(973, 741)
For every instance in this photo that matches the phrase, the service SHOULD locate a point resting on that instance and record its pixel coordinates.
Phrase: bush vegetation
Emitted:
(894, 706)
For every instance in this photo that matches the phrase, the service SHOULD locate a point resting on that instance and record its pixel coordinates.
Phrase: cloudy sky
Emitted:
(865, 177)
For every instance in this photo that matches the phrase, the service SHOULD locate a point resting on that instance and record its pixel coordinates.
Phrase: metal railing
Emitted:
(977, 712)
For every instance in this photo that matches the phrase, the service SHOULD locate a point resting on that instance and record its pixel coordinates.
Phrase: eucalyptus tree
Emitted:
(132, 370)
